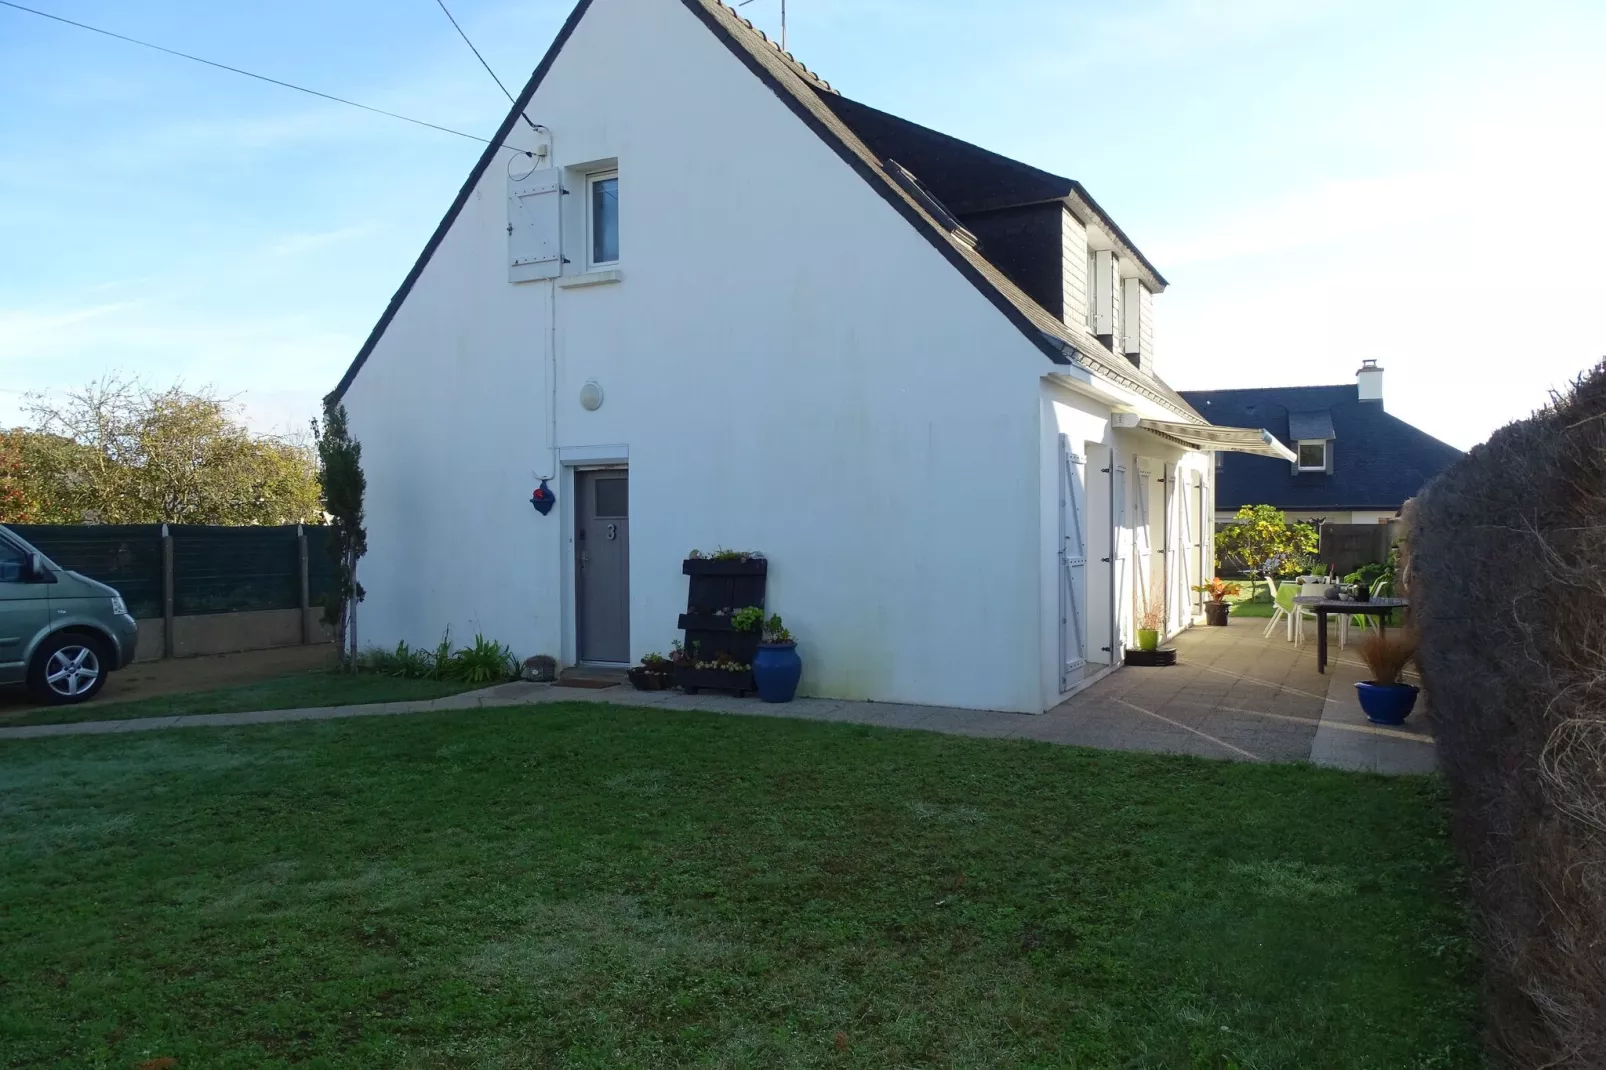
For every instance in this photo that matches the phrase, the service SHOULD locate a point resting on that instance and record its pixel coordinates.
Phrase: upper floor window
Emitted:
(602, 218)
(1313, 456)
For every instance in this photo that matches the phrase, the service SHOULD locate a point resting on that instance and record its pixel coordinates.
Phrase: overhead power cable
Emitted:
(487, 66)
(259, 77)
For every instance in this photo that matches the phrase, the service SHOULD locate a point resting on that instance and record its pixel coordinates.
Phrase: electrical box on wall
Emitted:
(534, 225)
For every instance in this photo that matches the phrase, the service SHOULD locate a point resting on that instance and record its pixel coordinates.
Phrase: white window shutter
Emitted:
(1118, 567)
(534, 214)
(1073, 564)
(1106, 280)
(1142, 544)
(1131, 317)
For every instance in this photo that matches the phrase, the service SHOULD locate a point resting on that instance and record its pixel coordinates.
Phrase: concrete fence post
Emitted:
(306, 587)
(169, 641)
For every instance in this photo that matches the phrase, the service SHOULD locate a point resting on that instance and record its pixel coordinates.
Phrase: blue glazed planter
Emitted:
(1386, 703)
(776, 669)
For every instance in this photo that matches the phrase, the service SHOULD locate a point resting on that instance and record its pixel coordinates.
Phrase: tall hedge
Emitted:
(1508, 557)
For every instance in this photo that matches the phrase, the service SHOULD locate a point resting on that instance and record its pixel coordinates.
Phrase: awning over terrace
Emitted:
(1210, 437)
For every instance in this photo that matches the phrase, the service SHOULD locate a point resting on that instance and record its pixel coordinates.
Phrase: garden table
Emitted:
(1377, 607)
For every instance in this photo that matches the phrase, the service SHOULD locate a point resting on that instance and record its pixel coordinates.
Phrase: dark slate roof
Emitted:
(1307, 426)
(965, 177)
(1379, 460)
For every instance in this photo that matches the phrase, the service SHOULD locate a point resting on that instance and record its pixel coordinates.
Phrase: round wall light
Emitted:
(591, 396)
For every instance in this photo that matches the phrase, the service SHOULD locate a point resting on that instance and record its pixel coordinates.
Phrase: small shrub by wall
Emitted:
(1508, 584)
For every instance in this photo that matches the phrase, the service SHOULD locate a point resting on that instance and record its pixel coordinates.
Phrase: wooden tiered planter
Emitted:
(727, 586)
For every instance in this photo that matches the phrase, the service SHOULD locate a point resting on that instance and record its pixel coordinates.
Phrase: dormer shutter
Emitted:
(1102, 288)
(1132, 317)
(534, 246)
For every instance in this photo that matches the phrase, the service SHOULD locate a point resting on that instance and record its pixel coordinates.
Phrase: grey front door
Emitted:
(24, 611)
(602, 564)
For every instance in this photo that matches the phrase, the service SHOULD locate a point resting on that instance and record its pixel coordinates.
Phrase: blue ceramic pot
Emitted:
(1386, 703)
(776, 669)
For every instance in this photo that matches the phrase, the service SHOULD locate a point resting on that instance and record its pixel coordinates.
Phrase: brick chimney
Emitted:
(1369, 382)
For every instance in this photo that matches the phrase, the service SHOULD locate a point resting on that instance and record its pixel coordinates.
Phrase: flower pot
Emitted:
(647, 680)
(1216, 614)
(1148, 639)
(1386, 703)
(776, 669)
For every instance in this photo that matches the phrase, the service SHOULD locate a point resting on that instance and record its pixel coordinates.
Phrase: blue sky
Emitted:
(1320, 182)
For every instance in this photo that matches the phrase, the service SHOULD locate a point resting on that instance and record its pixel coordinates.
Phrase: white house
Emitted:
(715, 303)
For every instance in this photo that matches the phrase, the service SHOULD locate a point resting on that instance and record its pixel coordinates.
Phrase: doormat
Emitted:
(595, 685)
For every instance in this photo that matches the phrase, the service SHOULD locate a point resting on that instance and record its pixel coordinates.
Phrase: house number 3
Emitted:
(613, 531)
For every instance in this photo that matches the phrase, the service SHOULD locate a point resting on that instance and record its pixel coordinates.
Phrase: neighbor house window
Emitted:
(1313, 456)
(602, 218)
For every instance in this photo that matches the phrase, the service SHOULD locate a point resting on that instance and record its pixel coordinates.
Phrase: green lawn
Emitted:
(321, 688)
(581, 885)
(1252, 601)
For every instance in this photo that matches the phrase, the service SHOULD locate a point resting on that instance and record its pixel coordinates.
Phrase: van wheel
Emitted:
(68, 667)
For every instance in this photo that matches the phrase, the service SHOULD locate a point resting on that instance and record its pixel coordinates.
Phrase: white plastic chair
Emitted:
(1290, 613)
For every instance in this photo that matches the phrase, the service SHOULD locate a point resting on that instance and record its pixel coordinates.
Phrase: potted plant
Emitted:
(1384, 699)
(776, 666)
(1149, 620)
(1216, 607)
(655, 673)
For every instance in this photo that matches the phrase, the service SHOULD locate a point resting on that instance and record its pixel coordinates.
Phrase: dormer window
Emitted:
(1313, 455)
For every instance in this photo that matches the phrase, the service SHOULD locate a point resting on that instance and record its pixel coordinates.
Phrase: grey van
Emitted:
(60, 633)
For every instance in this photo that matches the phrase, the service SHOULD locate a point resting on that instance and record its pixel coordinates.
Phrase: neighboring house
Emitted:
(719, 304)
(1354, 463)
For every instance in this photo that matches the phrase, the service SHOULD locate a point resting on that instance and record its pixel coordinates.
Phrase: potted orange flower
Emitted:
(1217, 590)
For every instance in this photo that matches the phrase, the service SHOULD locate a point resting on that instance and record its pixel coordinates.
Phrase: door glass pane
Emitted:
(605, 220)
(613, 497)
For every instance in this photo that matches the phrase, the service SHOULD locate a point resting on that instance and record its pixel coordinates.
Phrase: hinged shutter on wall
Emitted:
(1118, 553)
(1142, 545)
(1106, 279)
(1206, 566)
(1131, 317)
(1182, 556)
(534, 212)
(1170, 560)
(1073, 564)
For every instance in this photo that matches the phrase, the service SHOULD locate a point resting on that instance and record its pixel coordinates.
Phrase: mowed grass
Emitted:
(324, 687)
(1254, 600)
(580, 885)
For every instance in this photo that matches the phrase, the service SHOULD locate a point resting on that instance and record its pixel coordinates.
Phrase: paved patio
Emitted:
(1233, 695)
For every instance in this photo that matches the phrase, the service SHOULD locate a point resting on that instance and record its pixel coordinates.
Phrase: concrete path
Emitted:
(1233, 695)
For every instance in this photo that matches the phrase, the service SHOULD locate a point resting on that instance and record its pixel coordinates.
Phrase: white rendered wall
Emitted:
(791, 367)
(1086, 422)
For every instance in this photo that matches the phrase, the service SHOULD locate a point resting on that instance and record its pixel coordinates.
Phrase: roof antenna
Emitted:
(744, 3)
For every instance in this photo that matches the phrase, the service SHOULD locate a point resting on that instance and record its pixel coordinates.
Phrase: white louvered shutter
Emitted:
(1073, 564)
(1118, 566)
(1206, 564)
(1142, 563)
(534, 227)
(1187, 575)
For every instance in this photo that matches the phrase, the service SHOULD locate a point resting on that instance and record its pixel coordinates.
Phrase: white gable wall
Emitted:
(790, 366)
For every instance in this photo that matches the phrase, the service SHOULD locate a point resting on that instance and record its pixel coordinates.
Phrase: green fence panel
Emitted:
(126, 556)
(229, 570)
(320, 562)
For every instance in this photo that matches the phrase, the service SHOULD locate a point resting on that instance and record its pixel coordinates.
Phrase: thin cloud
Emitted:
(301, 244)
